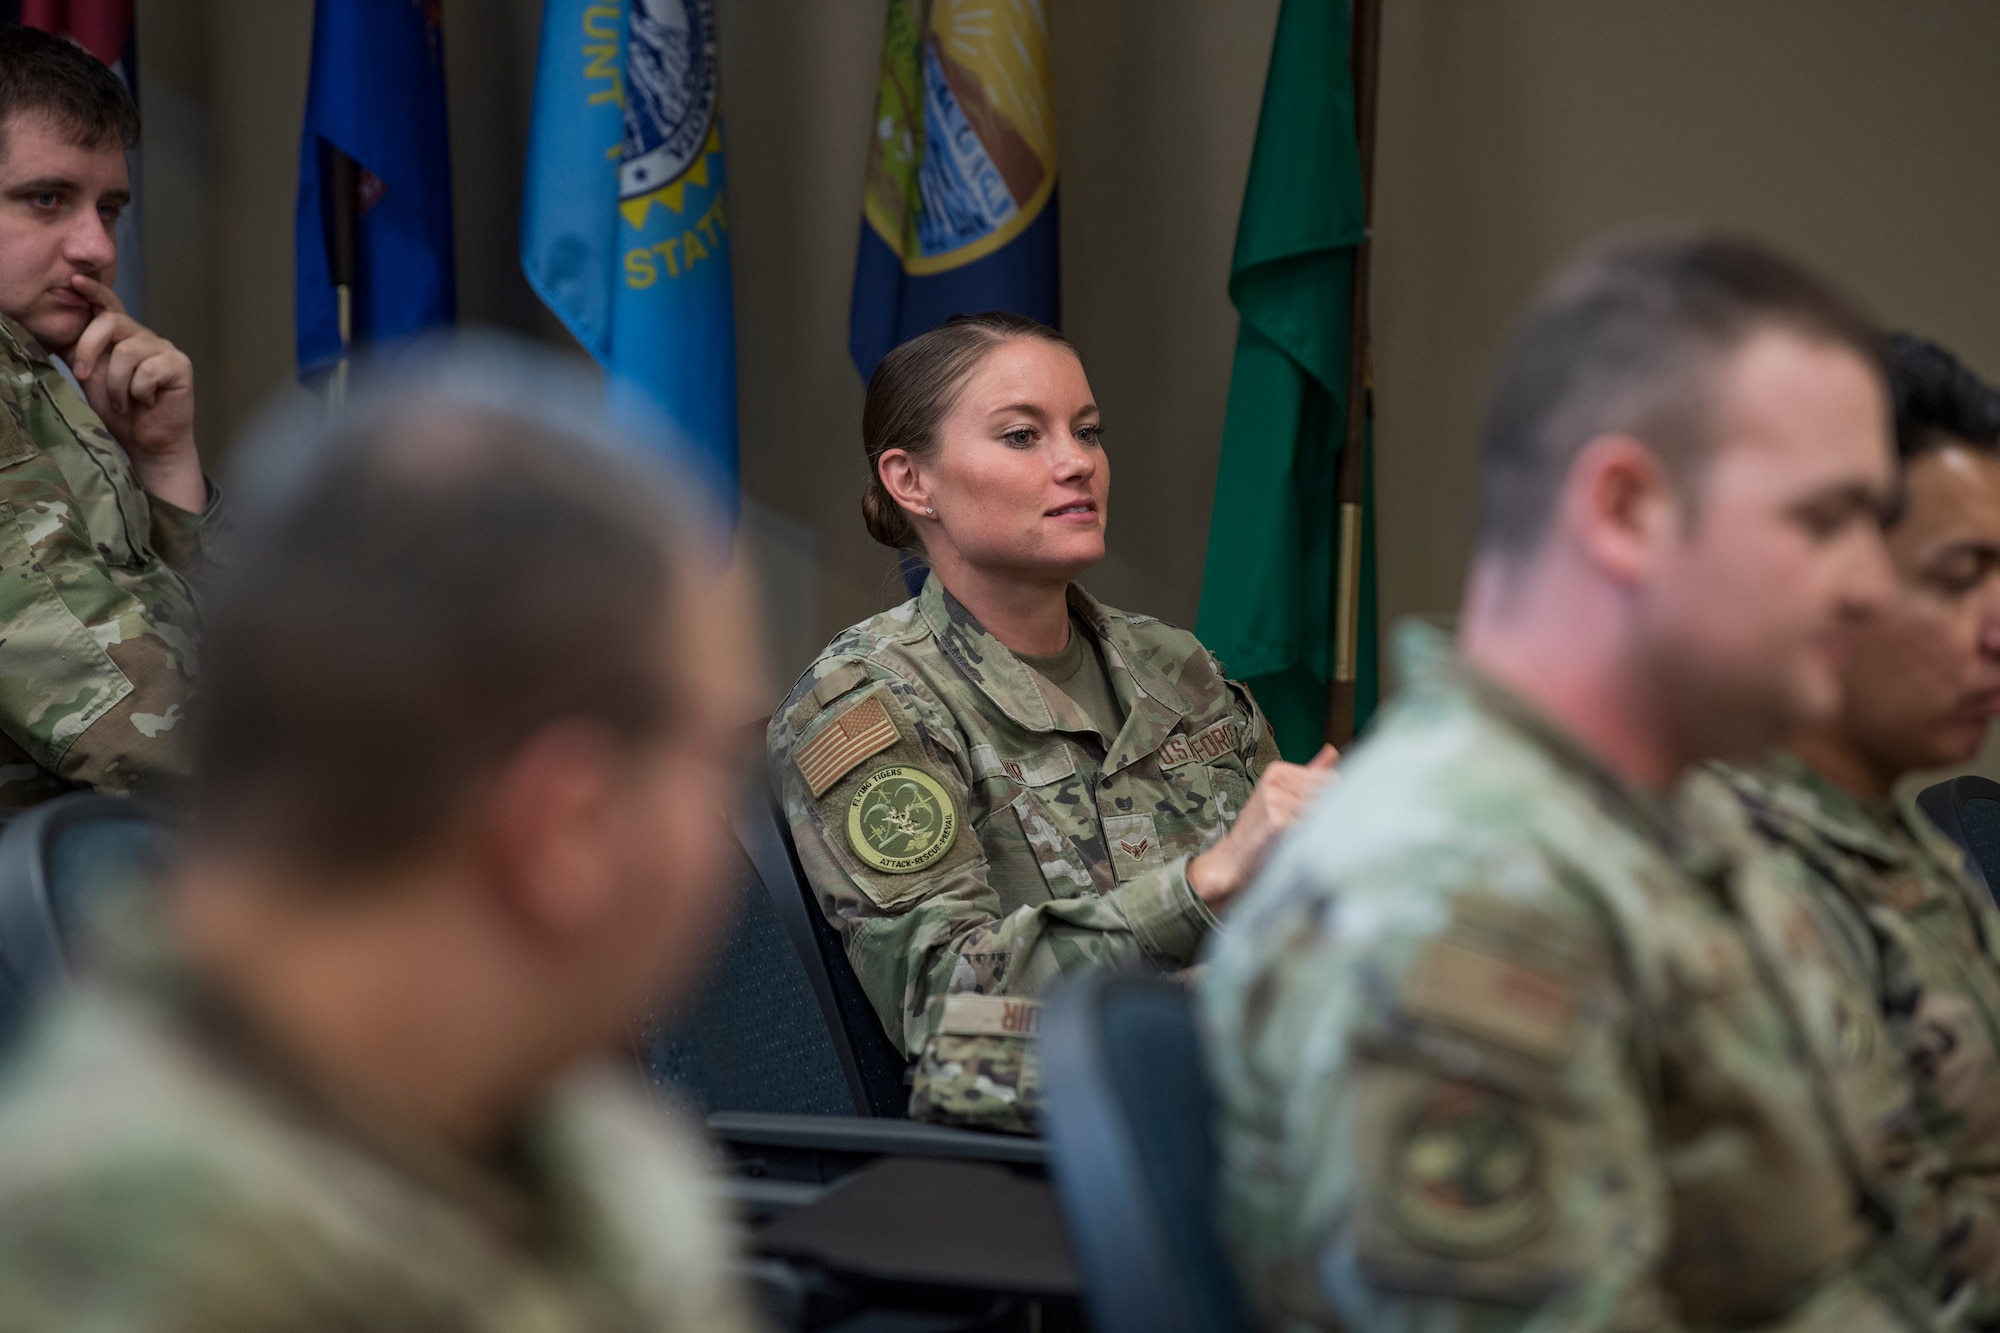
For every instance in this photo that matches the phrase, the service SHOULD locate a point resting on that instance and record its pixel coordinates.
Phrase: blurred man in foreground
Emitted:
(458, 820)
(104, 514)
(1920, 683)
(1507, 1050)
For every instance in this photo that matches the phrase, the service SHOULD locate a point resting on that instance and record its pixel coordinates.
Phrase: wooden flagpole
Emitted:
(342, 238)
(1366, 56)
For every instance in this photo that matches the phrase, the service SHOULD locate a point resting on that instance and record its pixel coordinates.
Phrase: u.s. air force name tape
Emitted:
(987, 1016)
(1209, 744)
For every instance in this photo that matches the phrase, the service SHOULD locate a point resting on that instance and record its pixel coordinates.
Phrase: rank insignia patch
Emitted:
(1465, 1173)
(900, 820)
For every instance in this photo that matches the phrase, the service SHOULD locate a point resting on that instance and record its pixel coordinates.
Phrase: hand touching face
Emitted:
(141, 385)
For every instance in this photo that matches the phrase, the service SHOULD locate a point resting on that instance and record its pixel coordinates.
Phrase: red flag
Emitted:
(101, 27)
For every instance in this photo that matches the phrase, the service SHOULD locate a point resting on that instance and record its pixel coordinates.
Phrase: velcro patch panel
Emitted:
(1500, 999)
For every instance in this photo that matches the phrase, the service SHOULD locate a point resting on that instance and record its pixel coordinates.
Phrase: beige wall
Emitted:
(1859, 132)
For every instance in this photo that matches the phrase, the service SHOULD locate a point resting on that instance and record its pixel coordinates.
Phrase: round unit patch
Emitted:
(900, 820)
(1465, 1173)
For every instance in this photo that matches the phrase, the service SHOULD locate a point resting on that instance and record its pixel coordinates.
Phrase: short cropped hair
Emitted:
(1631, 339)
(1939, 399)
(42, 73)
(452, 567)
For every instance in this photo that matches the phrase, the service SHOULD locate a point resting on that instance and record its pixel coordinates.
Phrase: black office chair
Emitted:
(783, 1050)
(62, 865)
(1968, 810)
(874, 1068)
(753, 1039)
(1128, 1115)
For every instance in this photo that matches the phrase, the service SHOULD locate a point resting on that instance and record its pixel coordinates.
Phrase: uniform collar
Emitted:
(1854, 823)
(1431, 664)
(517, 1190)
(1889, 831)
(22, 343)
(1152, 703)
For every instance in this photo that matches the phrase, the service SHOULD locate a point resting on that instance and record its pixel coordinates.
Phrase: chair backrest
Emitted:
(1968, 810)
(872, 1065)
(1129, 1118)
(61, 865)
(752, 1038)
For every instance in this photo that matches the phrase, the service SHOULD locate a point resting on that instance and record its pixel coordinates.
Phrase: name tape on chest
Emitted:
(1203, 747)
(861, 731)
(989, 1016)
(1051, 765)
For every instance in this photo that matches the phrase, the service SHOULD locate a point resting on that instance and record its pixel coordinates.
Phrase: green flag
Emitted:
(1267, 593)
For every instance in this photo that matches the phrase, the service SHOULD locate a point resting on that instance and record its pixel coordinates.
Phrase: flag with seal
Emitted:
(959, 201)
(625, 230)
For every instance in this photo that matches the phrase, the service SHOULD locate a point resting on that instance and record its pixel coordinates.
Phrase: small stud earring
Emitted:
(932, 512)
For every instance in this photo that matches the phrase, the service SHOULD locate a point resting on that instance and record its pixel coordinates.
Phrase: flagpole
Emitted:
(1366, 55)
(344, 221)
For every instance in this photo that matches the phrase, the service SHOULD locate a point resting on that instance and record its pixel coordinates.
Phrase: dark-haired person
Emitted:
(352, 1073)
(1002, 781)
(104, 512)
(1920, 681)
(1498, 1044)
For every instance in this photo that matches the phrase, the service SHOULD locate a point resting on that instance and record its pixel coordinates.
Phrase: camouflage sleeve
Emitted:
(877, 784)
(1259, 744)
(93, 683)
(158, 1242)
(1431, 1118)
(183, 539)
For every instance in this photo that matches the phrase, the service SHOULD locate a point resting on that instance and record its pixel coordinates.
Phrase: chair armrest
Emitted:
(823, 1148)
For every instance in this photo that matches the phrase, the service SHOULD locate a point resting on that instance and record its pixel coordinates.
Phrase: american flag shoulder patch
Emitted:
(863, 729)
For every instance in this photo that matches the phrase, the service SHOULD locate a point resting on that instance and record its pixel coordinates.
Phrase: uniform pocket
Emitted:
(1134, 841)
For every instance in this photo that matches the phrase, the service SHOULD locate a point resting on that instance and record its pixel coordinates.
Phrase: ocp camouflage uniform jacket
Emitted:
(167, 1171)
(98, 621)
(1923, 943)
(1495, 1045)
(1050, 848)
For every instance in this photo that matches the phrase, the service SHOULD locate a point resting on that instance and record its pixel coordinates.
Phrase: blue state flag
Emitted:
(624, 232)
(377, 95)
(959, 205)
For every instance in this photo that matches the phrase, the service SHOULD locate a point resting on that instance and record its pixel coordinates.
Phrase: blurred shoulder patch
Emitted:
(1466, 1173)
(1510, 1001)
(862, 729)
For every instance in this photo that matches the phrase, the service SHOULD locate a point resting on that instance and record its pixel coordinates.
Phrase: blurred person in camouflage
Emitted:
(1498, 1042)
(104, 512)
(1920, 683)
(459, 816)
(1002, 781)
